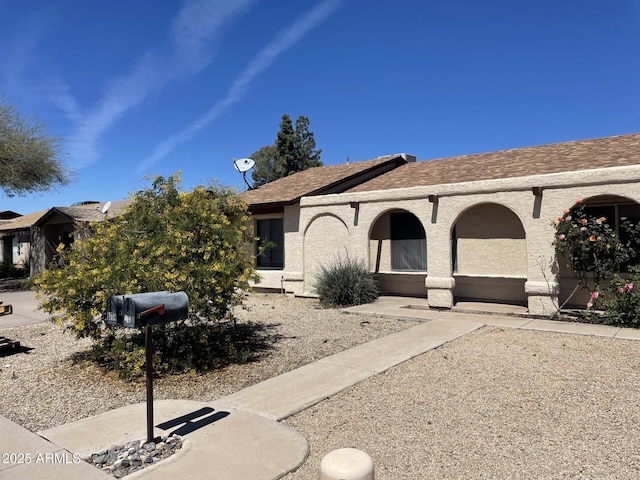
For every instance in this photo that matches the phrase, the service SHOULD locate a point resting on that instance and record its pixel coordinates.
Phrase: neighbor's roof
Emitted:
(319, 180)
(81, 213)
(23, 222)
(91, 212)
(621, 150)
(8, 215)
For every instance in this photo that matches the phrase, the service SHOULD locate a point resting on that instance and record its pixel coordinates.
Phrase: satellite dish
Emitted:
(105, 208)
(243, 164)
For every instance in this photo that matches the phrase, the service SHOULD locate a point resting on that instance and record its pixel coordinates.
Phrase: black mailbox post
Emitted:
(142, 310)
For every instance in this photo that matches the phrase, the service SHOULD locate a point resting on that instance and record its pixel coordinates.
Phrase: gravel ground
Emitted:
(495, 404)
(43, 388)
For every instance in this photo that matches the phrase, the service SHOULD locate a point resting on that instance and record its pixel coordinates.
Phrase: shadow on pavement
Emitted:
(189, 422)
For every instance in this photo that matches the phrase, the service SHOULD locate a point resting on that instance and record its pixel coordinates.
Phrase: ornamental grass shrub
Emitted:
(345, 283)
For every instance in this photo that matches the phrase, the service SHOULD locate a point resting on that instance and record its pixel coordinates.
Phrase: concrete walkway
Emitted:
(25, 309)
(498, 315)
(239, 436)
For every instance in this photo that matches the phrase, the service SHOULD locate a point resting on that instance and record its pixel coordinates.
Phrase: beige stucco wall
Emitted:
(327, 240)
(529, 261)
(290, 278)
(490, 242)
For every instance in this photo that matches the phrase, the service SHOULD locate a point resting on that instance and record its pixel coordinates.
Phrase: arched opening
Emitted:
(489, 256)
(326, 239)
(398, 253)
(615, 210)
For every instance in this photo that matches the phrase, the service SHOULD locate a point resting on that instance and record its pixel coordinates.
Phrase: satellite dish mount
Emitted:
(243, 165)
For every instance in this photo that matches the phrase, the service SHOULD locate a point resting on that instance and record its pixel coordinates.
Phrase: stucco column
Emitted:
(542, 297)
(439, 281)
(440, 291)
(542, 286)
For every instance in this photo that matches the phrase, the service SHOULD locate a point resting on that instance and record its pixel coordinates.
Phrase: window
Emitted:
(616, 215)
(408, 243)
(271, 235)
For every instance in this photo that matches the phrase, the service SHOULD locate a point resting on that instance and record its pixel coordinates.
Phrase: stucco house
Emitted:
(474, 227)
(32, 239)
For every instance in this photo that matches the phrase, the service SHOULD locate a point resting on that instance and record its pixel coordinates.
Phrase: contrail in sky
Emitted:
(195, 27)
(285, 40)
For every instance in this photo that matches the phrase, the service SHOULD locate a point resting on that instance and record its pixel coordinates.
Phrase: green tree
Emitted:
(306, 152)
(264, 171)
(167, 239)
(287, 161)
(294, 150)
(29, 157)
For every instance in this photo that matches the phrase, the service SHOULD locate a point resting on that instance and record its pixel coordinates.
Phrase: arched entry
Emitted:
(398, 253)
(326, 239)
(615, 210)
(489, 255)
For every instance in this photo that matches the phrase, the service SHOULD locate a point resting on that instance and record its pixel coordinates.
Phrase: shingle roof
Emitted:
(317, 180)
(23, 222)
(621, 150)
(93, 212)
(8, 215)
(81, 213)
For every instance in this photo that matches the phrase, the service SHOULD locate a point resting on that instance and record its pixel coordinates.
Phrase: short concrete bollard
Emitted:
(346, 464)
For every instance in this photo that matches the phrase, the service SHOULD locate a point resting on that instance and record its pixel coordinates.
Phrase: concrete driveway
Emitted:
(25, 309)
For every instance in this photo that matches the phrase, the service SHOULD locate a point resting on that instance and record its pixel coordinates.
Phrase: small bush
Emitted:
(180, 349)
(9, 270)
(346, 283)
(622, 300)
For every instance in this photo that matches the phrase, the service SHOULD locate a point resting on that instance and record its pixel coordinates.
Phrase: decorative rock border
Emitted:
(122, 460)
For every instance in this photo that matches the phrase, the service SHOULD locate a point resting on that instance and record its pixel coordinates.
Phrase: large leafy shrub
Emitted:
(604, 264)
(590, 246)
(167, 239)
(346, 282)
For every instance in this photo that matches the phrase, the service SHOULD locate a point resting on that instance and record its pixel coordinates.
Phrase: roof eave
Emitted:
(49, 213)
(332, 187)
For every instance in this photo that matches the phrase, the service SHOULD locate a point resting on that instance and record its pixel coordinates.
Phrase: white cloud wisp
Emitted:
(194, 29)
(285, 40)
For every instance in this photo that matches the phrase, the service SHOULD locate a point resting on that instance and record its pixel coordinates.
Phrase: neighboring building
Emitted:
(474, 227)
(8, 215)
(31, 240)
(15, 235)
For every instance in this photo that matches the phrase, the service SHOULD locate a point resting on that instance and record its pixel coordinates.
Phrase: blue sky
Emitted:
(146, 87)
